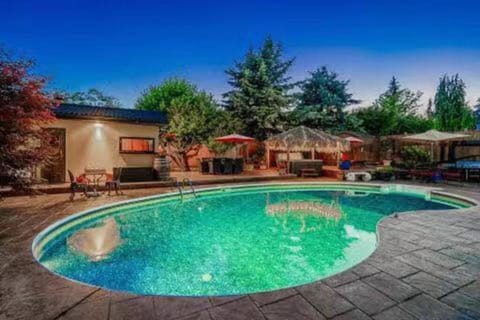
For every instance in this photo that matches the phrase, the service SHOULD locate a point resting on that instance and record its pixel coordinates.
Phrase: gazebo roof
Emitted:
(435, 136)
(304, 139)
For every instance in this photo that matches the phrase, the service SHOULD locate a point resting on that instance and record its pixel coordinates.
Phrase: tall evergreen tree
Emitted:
(322, 101)
(451, 110)
(430, 112)
(476, 113)
(260, 85)
(394, 112)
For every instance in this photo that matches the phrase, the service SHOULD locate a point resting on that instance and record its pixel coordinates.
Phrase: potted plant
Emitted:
(258, 157)
(263, 164)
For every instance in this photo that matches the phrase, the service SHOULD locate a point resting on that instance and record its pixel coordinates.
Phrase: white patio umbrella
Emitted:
(435, 136)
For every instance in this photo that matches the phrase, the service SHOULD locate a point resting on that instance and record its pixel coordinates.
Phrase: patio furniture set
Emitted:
(221, 165)
(89, 186)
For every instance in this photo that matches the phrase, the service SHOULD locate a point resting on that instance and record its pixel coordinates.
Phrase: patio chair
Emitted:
(205, 166)
(77, 184)
(237, 165)
(227, 166)
(113, 181)
(282, 168)
(217, 166)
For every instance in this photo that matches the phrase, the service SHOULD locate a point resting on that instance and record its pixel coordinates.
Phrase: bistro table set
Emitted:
(221, 165)
(89, 182)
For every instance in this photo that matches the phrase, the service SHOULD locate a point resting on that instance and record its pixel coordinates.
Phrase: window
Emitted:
(137, 145)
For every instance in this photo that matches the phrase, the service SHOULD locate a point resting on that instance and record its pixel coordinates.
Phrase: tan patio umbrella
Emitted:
(433, 137)
(305, 139)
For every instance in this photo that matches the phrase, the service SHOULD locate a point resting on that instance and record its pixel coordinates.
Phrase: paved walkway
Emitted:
(427, 266)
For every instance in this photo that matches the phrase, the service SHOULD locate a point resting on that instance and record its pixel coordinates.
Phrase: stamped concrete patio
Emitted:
(427, 266)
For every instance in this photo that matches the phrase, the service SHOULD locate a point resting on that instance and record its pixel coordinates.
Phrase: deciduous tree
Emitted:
(194, 118)
(25, 110)
(394, 112)
(92, 97)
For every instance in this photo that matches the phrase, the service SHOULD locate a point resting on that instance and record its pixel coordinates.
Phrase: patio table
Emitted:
(96, 175)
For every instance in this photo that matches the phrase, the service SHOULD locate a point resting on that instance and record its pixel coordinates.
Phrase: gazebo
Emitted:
(434, 137)
(304, 139)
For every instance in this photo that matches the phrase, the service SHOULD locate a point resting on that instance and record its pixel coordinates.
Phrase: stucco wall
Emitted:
(95, 144)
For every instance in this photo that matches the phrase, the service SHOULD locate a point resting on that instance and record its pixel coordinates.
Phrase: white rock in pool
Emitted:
(97, 243)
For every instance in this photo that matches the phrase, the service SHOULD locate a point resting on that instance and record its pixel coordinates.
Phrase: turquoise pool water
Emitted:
(223, 242)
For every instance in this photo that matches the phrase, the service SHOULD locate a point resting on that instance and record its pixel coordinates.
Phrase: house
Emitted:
(92, 137)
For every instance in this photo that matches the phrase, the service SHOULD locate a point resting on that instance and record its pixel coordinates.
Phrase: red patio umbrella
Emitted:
(234, 138)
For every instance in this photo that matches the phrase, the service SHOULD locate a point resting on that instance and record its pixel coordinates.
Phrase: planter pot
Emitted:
(387, 163)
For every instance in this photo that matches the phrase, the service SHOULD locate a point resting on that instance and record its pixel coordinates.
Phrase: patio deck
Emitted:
(427, 266)
(196, 177)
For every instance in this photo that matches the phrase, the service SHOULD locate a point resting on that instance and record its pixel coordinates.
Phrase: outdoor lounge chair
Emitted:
(113, 181)
(77, 185)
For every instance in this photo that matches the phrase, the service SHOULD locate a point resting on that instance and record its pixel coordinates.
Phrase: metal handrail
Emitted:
(187, 180)
(180, 190)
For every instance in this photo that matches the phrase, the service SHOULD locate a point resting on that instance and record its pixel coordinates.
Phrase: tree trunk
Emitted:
(186, 167)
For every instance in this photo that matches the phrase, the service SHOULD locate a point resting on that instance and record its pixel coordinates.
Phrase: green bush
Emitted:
(415, 155)
(386, 169)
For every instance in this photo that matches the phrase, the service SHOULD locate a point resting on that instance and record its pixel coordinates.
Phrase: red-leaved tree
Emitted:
(25, 109)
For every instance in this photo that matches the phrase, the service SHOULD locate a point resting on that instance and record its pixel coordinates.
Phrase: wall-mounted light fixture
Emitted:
(98, 130)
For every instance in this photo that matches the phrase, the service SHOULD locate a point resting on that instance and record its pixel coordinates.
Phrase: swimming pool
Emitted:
(227, 240)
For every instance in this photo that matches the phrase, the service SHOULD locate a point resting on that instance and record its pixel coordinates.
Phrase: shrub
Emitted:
(415, 155)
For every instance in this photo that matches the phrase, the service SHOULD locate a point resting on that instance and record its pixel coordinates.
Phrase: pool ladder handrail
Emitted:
(180, 190)
(189, 182)
(181, 187)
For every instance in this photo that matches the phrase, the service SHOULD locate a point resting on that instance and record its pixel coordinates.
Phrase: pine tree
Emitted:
(260, 85)
(322, 101)
(430, 113)
(451, 110)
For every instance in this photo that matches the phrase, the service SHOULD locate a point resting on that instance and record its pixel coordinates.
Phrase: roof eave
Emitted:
(110, 119)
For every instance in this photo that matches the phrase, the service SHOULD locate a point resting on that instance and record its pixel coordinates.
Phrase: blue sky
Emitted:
(122, 47)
